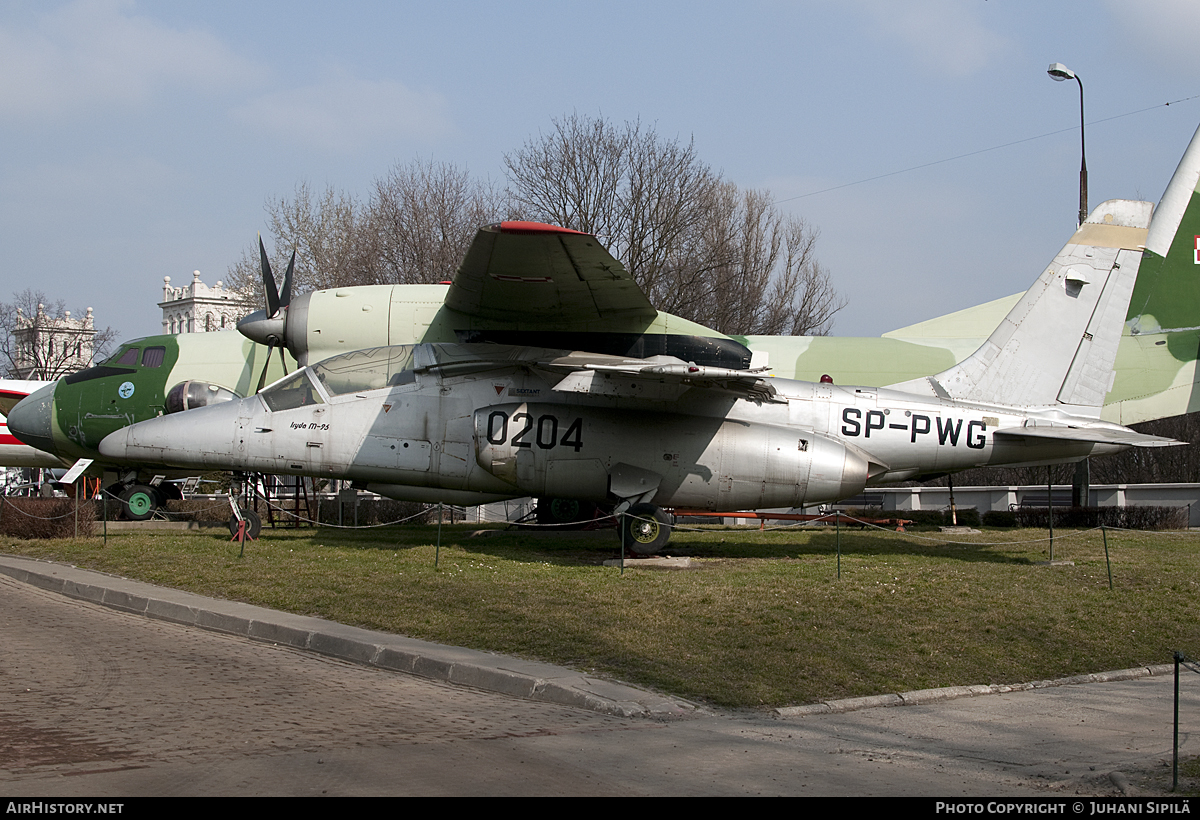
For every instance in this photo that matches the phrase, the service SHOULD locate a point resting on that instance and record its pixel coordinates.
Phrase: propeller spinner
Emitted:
(268, 327)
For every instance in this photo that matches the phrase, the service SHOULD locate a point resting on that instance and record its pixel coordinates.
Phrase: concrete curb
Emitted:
(466, 667)
(922, 696)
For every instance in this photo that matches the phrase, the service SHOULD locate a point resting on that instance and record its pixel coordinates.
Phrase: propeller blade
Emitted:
(269, 287)
(262, 378)
(285, 298)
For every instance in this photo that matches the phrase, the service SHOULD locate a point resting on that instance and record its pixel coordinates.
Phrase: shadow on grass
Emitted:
(859, 545)
(592, 548)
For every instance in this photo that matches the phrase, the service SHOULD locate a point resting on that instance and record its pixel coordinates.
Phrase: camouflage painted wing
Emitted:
(532, 273)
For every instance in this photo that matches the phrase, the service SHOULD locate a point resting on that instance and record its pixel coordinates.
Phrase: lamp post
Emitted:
(1081, 483)
(1059, 72)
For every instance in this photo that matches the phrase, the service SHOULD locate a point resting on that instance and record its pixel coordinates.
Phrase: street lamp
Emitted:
(1081, 483)
(1059, 72)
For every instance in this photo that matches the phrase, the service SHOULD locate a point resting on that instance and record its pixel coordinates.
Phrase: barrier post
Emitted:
(1175, 737)
(1107, 562)
(437, 554)
(837, 523)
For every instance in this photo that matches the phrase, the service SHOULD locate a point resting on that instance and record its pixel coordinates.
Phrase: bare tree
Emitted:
(572, 177)
(415, 228)
(643, 196)
(323, 231)
(421, 220)
(1140, 465)
(755, 270)
(696, 244)
(40, 340)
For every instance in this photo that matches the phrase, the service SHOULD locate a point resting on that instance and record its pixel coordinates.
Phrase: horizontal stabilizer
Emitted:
(1096, 435)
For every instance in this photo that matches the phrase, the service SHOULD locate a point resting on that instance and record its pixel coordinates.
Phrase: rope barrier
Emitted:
(276, 507)
(106, 494)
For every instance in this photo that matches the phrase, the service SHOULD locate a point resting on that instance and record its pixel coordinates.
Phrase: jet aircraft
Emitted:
(521, 284)
(472, 422)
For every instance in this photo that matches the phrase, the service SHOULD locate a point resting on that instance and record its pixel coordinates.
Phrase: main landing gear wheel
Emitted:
(139, 502)
(253, 524)
(564, 509)
(561, 511)
(646, 529)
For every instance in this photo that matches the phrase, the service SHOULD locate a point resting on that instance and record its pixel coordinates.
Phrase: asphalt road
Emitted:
(98, 702)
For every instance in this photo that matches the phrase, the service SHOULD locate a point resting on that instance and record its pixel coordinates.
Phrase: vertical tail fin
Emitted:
(1058, 344)
(1157, 368)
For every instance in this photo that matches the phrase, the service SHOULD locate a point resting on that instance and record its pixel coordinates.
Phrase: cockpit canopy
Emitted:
(378, 368)
(355, 372)
(294, 391)
(365, 370)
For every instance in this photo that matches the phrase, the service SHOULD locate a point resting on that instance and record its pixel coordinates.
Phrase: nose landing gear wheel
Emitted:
(253, 524)
(139, 502)
(646, 529)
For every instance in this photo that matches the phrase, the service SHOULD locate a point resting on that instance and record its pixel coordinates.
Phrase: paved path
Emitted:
(99, 702)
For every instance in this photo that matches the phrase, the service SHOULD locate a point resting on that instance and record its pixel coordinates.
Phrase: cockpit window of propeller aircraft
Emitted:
(154, 356)
(130, 356)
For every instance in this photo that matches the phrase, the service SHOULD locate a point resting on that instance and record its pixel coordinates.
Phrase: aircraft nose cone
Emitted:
(32, 420)
(115, 444)
(192, 438)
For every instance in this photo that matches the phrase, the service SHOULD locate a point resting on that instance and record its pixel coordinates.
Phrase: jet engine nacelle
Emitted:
(671, 460)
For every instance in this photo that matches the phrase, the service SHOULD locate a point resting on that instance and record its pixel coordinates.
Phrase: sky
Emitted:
(924, 139)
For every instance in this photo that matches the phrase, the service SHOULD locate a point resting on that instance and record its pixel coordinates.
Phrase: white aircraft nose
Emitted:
(193, 438)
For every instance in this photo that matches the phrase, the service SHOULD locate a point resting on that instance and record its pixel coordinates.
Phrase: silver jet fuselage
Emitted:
(471, 423)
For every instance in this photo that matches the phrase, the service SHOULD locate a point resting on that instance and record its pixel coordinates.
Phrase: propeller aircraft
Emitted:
(528, 285)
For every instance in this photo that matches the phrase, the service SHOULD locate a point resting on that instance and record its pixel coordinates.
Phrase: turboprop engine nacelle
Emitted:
(686, 461)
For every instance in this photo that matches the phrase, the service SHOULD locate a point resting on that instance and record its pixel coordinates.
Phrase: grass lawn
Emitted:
(763, 620)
